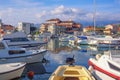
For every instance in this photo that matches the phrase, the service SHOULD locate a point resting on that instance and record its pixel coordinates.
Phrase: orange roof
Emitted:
(54, 19)
(8, 27)
(67, 22)
(1, 31)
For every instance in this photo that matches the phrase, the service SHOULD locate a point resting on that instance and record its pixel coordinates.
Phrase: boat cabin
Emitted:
(16, 39)
(11, 51)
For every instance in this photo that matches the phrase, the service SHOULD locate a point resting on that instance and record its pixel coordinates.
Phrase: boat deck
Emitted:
(71, 78)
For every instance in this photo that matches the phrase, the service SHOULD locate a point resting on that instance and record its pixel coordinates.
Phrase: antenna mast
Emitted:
(94, 15)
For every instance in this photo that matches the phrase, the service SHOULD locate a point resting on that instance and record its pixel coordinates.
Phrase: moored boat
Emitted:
(8, 55)
(104, 68)
(107, 42)
(82, 40)
(71, 72)
(11, 70)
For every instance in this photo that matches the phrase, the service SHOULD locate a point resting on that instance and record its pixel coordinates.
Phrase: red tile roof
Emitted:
(7, 27)
(54, 19)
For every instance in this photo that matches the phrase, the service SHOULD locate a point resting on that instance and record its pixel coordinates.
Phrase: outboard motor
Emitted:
(70, 60)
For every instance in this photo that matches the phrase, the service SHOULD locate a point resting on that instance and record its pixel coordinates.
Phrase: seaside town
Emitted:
(25, 50)
(54, 40)
(56, 27)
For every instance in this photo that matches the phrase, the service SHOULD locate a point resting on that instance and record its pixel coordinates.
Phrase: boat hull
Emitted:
(101, 72)
(72, 72)
(31, 58)
(12, 74)
(101, 76)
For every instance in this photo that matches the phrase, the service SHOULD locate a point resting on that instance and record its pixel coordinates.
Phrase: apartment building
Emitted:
(111, 29)
(25, 27)
(68, 25)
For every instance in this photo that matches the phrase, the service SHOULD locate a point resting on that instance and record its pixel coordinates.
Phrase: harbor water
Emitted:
(59, 51)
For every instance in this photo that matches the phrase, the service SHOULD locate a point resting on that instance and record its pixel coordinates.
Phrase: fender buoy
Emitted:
(30, 75)
(98, 56)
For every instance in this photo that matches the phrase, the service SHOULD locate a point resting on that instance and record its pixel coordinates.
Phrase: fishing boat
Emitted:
(10, 71)
(71, 72)
(8, 55)
(104, 68)
(75, 72)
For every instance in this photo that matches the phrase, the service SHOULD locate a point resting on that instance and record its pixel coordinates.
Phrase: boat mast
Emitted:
(94, 15)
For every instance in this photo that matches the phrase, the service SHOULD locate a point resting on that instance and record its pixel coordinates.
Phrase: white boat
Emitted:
(87, 40)
(82, 40)
(99, 41)
(8, 54)
(19, 39)
(107, 42)
(115, 55)
(65, 38)
(11, 70)
(72, 41)
(71, 72)
(92, 41)
(104, 68)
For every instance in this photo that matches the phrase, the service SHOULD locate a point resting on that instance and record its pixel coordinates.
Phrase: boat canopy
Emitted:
(82, 37)
(15, 35)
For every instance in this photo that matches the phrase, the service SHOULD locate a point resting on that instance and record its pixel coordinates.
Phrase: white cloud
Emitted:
(40, 14)
(58, 10)
(67, 13)
(13, 16)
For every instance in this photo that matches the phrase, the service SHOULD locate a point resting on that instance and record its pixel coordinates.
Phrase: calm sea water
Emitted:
(59, 51)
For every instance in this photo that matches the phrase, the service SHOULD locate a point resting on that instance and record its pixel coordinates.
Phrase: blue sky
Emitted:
(38, 11)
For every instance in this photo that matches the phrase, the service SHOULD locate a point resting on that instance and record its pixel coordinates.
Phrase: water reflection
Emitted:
(55, 46)
(59, 51)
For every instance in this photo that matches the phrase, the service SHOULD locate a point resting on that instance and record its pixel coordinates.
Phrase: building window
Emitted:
(2, 46)
(24, 24)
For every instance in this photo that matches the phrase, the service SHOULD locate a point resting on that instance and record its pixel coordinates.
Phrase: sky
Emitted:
(38, 11)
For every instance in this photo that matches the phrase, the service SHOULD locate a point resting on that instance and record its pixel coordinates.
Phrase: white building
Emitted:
(52, 29)
(0, 23)
(56, 30)
(111, 28)
(25, 27)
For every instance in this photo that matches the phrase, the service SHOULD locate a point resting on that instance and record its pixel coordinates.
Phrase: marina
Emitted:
(53, 54)
(59, 40)
(59, 51)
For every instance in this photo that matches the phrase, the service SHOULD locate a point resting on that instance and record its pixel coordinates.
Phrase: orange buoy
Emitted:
(30, 75)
